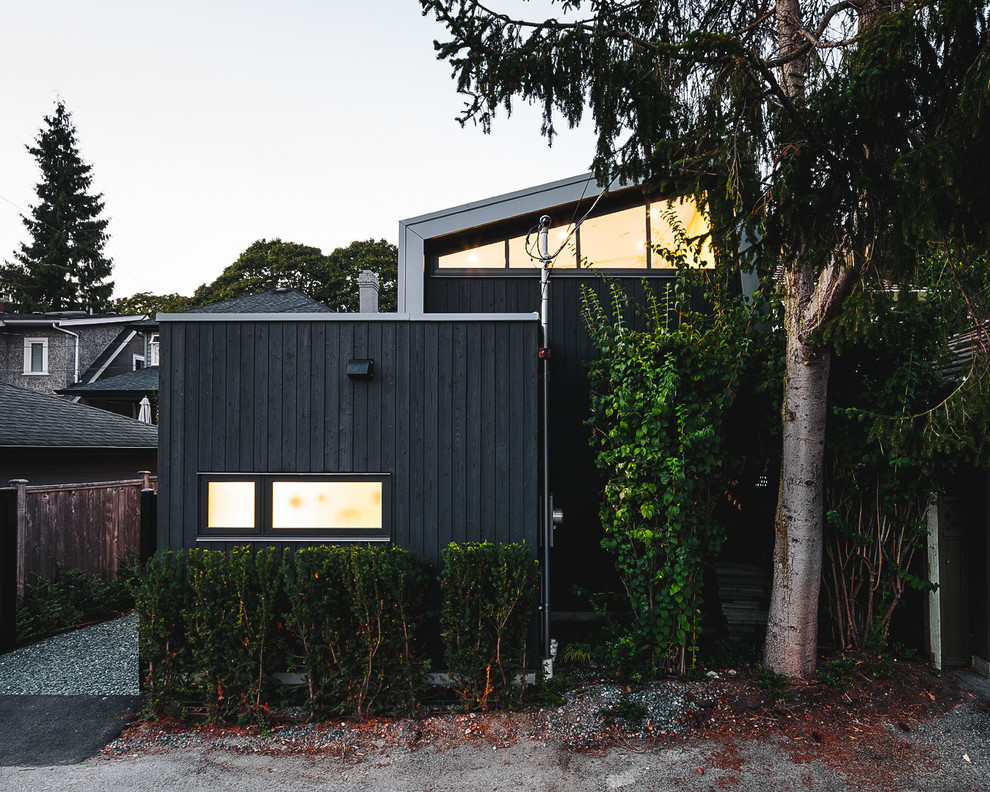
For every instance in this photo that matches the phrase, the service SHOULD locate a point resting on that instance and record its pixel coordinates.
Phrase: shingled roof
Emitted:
(134, 383)
(35, 420)
(283, 300)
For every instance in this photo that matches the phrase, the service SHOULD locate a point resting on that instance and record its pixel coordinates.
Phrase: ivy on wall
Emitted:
(659, 398)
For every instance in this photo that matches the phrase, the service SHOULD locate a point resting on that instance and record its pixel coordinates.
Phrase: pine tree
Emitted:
(63, 266)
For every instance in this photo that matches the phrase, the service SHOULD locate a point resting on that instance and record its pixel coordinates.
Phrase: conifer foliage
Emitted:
(849, 138)
(62, 266)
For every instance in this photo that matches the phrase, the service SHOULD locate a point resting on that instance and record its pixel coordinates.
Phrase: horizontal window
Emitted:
(656, 235)
(286, 506)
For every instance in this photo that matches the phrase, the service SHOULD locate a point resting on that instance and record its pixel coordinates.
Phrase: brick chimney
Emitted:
(368, 290)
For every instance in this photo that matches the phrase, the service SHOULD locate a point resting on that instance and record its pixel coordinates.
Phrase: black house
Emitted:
(422, 427)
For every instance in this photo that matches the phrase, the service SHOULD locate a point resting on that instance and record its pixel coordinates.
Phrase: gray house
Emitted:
(49, 352)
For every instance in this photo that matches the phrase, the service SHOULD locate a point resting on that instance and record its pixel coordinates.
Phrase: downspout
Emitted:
(547, 502)
(75, 336)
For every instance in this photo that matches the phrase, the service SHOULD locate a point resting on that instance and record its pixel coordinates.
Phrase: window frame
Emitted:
(151, 357)
(573, 263)
(263, 529)
(29, 344)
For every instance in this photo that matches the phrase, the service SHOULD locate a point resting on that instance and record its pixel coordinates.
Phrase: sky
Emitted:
(211, 124)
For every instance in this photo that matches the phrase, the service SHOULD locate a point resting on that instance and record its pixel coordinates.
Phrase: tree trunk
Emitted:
(792, 628)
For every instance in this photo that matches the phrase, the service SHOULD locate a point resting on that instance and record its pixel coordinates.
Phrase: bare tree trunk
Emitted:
(792, 629)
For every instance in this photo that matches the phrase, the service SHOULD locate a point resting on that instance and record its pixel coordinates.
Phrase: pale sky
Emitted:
(212, 124)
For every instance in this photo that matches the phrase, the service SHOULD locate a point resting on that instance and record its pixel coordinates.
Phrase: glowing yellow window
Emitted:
(683, 215)
(490, 256)
(616, 240)
(327, 505)
(559, 238)
(230, 504)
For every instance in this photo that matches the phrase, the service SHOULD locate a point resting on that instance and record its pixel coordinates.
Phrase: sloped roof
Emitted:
(35, 420)
(283, 300)
(137, 382)
(110, 352)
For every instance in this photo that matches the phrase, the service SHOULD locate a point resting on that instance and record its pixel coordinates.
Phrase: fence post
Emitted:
(148, 541)
(8, 569)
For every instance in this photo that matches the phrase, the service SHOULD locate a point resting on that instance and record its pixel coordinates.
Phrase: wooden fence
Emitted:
(92, 527)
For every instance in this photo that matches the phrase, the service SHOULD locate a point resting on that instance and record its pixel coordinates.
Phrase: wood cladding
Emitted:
(450, 414)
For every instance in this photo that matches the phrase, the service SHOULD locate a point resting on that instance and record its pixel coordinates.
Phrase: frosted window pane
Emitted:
(327, 504)
(230, 504)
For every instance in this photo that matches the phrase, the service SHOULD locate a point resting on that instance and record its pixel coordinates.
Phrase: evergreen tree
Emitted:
(846, 137)
(62, 267)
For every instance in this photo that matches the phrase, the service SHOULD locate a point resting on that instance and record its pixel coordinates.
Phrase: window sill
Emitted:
(269, 539)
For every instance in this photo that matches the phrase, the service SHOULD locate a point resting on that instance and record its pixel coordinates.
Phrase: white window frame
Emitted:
(29, 344)
(152, 350)
(135, 359)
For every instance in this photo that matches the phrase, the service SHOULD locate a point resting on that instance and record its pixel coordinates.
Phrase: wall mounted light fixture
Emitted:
(360, 369)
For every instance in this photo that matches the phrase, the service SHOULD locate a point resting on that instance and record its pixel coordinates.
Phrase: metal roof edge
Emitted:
(356, 317)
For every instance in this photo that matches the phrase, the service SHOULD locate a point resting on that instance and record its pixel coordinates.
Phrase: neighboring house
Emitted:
(282, 300)
(122, 394)
(49, 352)
(50, 440)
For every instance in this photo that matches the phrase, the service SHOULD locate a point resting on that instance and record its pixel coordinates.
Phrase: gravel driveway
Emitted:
(552, 749)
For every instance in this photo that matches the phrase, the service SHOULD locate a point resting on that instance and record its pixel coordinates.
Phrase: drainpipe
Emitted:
(547, 504)
(75, 336)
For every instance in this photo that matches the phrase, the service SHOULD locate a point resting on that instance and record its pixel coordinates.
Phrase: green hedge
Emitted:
(216, 626)
(354, 612)
(487, 607)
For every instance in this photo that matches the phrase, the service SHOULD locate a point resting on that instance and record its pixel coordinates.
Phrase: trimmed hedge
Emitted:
(487, 607)
(354, 612)
(216, 627)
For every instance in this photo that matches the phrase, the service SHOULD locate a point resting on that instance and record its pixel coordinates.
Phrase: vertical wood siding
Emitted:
(450, 414)
(577, 557)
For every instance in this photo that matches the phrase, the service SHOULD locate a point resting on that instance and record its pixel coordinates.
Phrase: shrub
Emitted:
(219, 625)
(160, 594)
(230, 622)
(354, 612)
(485, 614)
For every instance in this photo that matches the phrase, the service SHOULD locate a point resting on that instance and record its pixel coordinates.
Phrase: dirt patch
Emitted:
(860, 727)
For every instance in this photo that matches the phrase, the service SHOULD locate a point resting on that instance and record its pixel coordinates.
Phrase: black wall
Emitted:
(451, 414)
(577, 559)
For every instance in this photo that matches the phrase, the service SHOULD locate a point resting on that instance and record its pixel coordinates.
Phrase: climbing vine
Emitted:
(659, 397)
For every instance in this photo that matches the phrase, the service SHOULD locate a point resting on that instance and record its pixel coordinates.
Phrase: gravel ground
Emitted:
(99, 660)
(581, 745)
